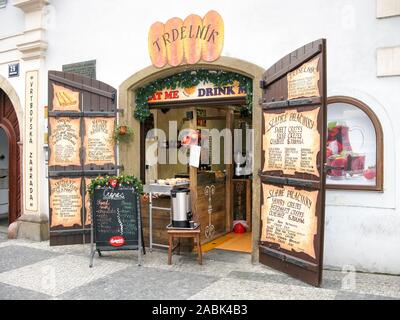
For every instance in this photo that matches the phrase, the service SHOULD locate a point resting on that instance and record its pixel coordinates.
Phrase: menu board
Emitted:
(289, 218)
(65, 99)
(115, 214)
(65, 202)
(303, 82)
(99, 142)
(291, 141)
(65, 142)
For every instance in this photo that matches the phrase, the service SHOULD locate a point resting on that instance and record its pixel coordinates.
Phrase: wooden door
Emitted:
(292, 173)
(82, 119)
(9, 122)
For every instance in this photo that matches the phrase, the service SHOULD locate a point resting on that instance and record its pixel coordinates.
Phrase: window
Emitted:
(354, 146)
(3, 3)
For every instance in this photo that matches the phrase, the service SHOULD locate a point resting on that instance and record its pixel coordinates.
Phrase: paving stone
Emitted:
(235, 289)
(227, 256)
(58, 275)
(267, 277)
(8, 292)
(13, 257)
(350, 295)
(142, 283)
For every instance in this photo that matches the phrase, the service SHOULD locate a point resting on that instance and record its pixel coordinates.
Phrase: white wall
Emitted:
(362, 228)
(11, 20)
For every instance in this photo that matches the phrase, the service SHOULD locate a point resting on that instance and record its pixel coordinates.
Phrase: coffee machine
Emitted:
(181, 208)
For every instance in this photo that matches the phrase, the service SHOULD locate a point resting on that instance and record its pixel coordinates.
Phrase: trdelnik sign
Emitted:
(186, 42)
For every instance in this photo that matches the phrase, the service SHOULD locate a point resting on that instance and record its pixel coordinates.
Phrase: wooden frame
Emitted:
(9, 123)
(379, 144)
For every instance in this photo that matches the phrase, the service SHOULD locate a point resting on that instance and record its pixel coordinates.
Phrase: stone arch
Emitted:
(14, 98)
(10, 124)
(151, 73)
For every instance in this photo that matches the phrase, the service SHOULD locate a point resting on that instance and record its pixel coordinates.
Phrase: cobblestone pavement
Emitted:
(34, 270)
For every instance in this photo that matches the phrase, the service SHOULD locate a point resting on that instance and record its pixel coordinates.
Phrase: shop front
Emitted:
(217, 119)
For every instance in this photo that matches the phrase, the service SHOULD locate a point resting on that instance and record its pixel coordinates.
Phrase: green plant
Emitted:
(123, 133)
(115, 181)
(188, 79)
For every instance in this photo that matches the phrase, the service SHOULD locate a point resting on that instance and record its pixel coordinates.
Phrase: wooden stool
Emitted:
(183, 233)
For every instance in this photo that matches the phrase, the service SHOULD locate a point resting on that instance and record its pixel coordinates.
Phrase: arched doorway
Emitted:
(127, 98)
(11, 168)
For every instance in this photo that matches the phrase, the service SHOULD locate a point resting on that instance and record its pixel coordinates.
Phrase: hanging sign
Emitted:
(65, 202)
(291, 142)
(303, 82)
(203, 91)
(289, 218)
(65, 142)
(186, 42)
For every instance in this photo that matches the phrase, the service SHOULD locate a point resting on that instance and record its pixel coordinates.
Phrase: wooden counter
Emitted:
(211, 196)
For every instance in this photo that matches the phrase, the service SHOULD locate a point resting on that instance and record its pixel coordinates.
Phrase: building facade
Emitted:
(363, 55)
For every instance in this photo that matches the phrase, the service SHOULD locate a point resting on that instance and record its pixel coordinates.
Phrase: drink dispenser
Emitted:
(181, 208)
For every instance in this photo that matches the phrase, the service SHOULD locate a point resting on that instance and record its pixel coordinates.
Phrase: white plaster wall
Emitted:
(11, 20)
(362, 228)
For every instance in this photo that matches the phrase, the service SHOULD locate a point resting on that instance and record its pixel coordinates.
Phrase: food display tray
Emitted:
(196, 226)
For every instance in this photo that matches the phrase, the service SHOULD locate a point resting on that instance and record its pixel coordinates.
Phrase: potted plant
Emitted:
(123, 133)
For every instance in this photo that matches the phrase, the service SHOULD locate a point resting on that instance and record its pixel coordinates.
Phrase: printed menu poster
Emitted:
(65, 142)
(303, 82)
(291, 142)
(65, 202)
(87, 202)
(288, 218)
(99, 142)
(65, 99)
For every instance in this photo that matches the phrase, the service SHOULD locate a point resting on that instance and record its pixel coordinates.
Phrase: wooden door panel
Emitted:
(292, 165)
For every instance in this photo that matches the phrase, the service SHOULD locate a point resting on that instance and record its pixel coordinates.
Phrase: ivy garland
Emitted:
(191, 78)
(114, 181)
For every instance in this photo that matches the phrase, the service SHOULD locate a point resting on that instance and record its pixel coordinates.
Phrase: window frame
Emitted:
(379, 145)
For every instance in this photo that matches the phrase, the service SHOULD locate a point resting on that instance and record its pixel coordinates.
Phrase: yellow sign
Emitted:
(203, 91)
(303, 82)
(291, 141)
(288, 218)
(186, 42)
(65, 99)
(31, 140)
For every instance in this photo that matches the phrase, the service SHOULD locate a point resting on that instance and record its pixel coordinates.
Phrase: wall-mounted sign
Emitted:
(65, 99)
(289, 218)
(85, 68)
(303, 82)
(65, 142)
(13, 70)
(99, 142)
(31, 140)
(203, 91)
(65, 202)
(291, 141)
(179, 42)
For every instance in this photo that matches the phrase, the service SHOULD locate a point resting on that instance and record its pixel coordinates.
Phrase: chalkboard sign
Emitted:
(116, 220)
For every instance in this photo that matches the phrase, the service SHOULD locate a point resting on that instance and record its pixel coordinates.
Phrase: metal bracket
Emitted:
(263, 84)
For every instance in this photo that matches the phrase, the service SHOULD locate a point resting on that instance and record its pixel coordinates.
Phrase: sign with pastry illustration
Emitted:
(291, 141)
(65, 202)
(64, 142)
(65, 99)
(289, 218)
(303, 82)
(99, 142)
